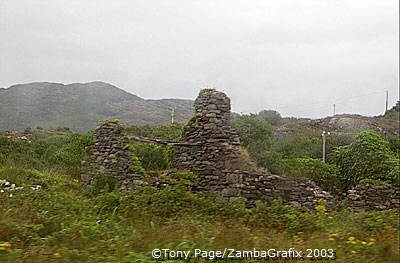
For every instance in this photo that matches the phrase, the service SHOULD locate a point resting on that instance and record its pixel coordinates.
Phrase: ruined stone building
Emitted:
(212, 151)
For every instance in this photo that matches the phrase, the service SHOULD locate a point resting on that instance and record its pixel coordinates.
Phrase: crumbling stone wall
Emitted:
(254, 186)
(109, 156)
(217, 161)
(373, 197)
(212, 151)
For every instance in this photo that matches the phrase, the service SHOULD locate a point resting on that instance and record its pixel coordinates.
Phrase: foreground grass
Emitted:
(63, 223)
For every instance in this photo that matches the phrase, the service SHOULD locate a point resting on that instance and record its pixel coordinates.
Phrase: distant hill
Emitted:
(343, 123)
(80, 106)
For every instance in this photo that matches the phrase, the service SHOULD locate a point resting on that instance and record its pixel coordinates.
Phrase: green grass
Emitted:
(64, 223)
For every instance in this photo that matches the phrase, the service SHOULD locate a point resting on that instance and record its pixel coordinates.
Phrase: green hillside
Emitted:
(80, 106)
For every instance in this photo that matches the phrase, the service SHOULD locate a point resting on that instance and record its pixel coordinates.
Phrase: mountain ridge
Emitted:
(80, 106)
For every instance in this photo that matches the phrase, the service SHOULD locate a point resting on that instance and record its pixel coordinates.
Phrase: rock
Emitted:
(295, 203)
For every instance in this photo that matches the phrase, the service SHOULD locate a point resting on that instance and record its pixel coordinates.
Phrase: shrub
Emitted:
(62, 152)
(68, 156)
(271, 116)
(255, 134)
(368, 157)
(394, 174)
(272, 161)
(151, 156)
(394, 112)
(394, 143)
(18, 152)
(298, 147)
(103, 184)
(173, 132)
(136, 165)
(325, 175)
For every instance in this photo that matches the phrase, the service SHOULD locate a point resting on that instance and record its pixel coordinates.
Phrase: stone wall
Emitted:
(109, 156)
(219, 142)
(255, 186)
(221, 167)
(212, 151)
(373, 197)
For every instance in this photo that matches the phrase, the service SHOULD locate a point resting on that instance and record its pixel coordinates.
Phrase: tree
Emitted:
(271, 116)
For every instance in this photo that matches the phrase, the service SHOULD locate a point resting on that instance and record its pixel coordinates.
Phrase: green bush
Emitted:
(394, 112)
(272, 161)
(61, 152)
(136, 165)
(172, 132)
(394, 143)
(336, 140)
(298, 146)
(323, 174)
(368, 157)
(103, 184)
(68, 156)
(151, 156)
(394, 173)
(271, 116)
(19, 152)
(255, 134)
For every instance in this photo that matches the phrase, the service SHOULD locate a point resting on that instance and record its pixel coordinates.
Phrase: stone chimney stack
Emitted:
(211, 128)
(212, 120)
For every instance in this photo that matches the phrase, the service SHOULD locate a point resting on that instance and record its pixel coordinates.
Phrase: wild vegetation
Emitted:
(351, 158)
(63, 222)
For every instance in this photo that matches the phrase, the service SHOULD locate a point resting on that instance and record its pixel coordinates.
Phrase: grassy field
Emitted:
(64, 223)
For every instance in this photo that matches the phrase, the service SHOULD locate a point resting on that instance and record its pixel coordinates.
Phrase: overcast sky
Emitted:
(295, 56)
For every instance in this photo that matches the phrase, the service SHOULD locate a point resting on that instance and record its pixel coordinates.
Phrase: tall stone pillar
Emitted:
(219, 143)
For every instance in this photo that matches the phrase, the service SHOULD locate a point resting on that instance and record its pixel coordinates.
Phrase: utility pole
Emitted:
(173, 115)
(324, 134)
(387, 101)
(334, 109)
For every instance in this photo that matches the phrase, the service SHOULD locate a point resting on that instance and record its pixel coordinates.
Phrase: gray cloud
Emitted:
(298, 57)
